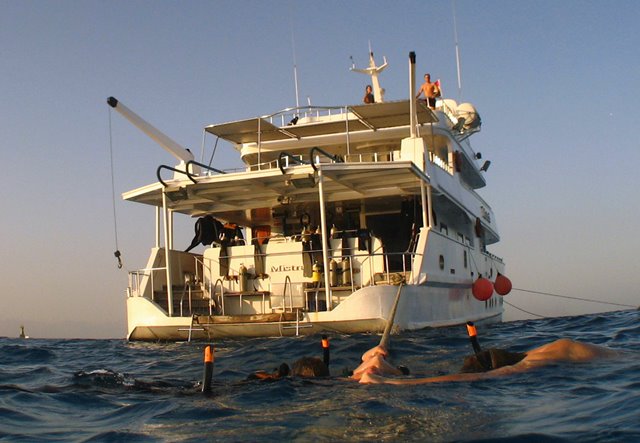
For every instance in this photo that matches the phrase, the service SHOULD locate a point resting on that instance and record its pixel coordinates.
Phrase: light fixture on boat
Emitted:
(177, 195)
(284, 199)
(302, 181)
(485, 166)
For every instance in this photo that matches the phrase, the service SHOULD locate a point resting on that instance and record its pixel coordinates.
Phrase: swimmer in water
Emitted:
(375, 360)
(496, 363)
(281, 371)
(304, 367)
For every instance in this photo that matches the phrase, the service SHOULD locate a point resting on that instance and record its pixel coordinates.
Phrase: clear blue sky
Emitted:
(556, 84)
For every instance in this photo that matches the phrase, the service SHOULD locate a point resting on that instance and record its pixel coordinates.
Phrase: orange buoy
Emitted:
(502, 284)
(482, 289)
(208, 368)
(325, 350)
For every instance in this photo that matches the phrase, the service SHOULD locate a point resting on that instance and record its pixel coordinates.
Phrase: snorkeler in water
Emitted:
(496, 362)
(304, 367)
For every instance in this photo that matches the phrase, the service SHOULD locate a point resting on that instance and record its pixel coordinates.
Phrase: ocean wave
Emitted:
(112, 390)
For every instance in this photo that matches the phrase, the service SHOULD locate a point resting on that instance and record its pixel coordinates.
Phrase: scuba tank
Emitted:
(316, 275)
(333, 273)
(346, 271)
(243, 278)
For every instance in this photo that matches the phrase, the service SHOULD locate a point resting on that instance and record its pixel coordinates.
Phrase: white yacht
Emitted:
(336, 211)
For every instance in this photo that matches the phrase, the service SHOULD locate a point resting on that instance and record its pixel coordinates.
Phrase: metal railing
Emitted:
(136, 280)
(365, 262)
(287, 116)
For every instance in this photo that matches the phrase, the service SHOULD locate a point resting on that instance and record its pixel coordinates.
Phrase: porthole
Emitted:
(442, 262)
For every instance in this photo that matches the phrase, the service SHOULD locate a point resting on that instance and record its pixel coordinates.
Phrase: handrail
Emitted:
(202, 165)
(284, 294)
(293, 160)
(212, 292)
(135, 277)
(174, 170)
(335, 158)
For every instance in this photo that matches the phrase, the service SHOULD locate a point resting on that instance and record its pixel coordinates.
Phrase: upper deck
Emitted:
(357, 132)
(357, 148)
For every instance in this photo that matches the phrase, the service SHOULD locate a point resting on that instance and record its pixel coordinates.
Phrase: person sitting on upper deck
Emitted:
(430, 90)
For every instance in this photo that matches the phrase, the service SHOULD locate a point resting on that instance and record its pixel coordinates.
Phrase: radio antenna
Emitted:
(295, 65)
(455, 40)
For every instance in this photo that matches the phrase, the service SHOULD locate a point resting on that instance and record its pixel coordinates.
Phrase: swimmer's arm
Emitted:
(369, 377)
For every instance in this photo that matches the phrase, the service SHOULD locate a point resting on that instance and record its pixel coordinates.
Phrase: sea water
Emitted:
(112, 390)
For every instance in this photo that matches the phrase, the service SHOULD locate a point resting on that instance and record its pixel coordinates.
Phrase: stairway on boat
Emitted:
(187, 300)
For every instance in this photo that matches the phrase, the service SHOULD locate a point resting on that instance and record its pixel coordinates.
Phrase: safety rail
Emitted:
(202, 165)
(366, 262)
(135, 281)
(170, 168)
(334, 158)
(212, 291)
(442, 164)
(291, 116)
(296, 160)
(287, 279)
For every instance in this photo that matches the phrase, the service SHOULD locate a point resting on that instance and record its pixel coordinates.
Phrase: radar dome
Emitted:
(470, 115)
(450, 105)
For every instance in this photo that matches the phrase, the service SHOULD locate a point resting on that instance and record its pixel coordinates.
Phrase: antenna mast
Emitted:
(373, 71)
(455, 39)
(295, 65)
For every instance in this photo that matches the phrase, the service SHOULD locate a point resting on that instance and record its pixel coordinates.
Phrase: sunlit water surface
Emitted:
(111, 390)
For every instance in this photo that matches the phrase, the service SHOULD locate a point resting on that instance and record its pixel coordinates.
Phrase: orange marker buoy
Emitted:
(473, 336)
(482, 289)
(502, 284)
(208, 368)
(325, 350)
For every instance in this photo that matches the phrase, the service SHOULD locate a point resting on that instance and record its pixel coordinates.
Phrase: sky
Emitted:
(555, 82)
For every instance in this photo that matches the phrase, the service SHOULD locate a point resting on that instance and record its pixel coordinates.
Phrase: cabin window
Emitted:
(465, 259)
(444, 229)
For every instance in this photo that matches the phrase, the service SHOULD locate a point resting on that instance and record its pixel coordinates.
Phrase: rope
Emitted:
(384, 341)
(523, 310)
(574, 298)
(113, 195)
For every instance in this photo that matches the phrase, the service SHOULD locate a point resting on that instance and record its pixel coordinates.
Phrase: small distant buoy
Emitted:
(482, 289)
(502, 285)
(208, 369)
(325, 350)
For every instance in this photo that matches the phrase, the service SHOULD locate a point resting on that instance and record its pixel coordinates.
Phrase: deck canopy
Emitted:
(358, 118)
(229, 196)
(390, 114)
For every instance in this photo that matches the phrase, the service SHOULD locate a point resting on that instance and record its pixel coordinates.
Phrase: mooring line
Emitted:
(523, 310)
(575, 298)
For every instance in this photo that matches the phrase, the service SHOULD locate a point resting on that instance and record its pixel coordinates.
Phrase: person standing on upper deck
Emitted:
(368, 95)
(430, 90)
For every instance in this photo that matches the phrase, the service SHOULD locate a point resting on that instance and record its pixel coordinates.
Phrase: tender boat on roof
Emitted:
(336, 207)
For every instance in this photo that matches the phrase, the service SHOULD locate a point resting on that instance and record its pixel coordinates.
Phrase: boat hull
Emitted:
(365, 311)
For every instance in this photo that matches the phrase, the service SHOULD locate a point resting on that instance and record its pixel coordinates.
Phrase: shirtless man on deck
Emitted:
(430, 90)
